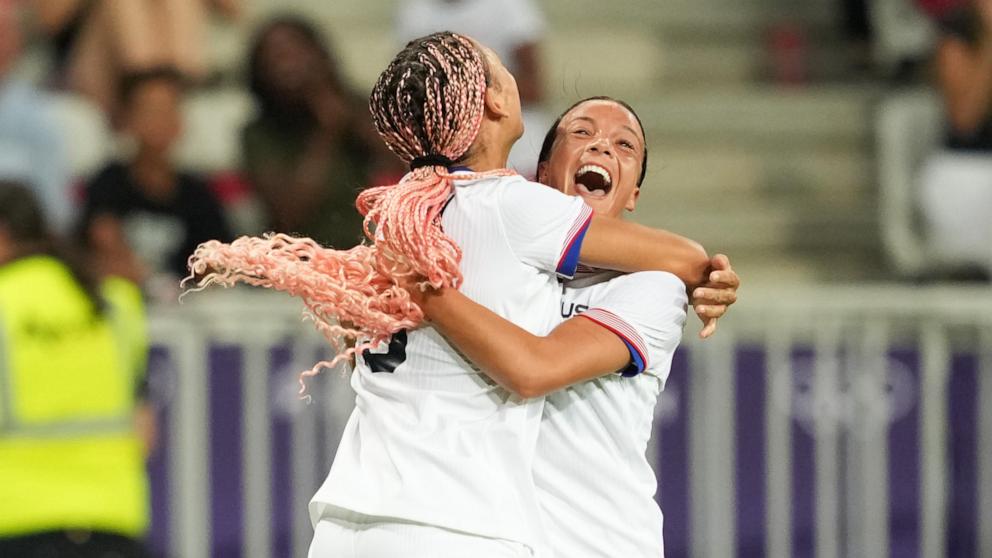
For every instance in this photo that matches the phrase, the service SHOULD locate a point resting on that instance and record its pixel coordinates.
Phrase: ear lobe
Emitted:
(542, 173)
(495, 104)
(632, 200)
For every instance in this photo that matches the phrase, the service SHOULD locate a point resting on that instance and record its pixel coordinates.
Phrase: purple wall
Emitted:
(751, 378)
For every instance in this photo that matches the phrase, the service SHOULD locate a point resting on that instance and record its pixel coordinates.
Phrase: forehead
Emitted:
(607, 115)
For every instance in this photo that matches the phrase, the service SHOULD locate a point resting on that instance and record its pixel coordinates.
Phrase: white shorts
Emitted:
(351, 535)
(956, 199)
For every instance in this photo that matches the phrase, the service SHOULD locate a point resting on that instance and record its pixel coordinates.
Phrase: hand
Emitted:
(711, 299)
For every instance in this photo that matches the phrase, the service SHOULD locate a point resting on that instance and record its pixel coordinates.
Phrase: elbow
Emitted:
(695, 267)
(528, 385)
(537, 379)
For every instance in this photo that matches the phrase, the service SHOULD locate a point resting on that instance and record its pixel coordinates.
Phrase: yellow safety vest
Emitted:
(69, 456)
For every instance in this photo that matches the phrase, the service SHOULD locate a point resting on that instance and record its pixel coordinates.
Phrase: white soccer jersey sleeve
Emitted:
(544, 227)
(647, 311)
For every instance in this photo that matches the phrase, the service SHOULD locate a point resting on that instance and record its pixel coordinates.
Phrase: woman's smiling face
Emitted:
(597, 154)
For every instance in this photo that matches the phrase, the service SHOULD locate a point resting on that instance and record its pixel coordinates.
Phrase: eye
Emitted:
(581, 132)
(626, 145)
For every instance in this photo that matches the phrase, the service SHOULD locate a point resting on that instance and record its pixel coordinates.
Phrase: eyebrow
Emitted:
(591, 121)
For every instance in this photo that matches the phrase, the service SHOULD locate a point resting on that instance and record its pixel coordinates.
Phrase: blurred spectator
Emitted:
(98, 41)
(144, 217)
(312, 147)
(73, 435)
(957, 182)
(514, 30)
(30, 145)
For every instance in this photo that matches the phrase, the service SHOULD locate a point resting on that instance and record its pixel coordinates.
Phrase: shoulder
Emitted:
(518, 188)
(122, 294)
(651, 298)
(658, 284)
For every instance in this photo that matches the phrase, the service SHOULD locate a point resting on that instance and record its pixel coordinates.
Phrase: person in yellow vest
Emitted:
(72, 357)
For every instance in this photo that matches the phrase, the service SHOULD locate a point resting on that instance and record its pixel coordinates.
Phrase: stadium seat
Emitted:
(908, 128)
(213, 121)
(85, 131)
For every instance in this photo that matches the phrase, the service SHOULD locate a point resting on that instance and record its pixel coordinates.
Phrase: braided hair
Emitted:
(428, 106)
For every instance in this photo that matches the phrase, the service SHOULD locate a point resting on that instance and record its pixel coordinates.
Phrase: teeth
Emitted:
(598, 170)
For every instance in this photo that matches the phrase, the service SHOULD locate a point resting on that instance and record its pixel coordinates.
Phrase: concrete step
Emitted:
(706, 14)
(764, 268)
(820, 116)
(706, 174)
(779, 226)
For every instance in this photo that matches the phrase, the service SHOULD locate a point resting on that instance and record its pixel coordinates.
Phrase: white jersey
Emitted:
(594, 482)
(433, 440)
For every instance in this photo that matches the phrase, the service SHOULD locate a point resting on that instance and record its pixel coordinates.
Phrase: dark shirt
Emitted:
(270, 146)
(162, 233)
(963, 24)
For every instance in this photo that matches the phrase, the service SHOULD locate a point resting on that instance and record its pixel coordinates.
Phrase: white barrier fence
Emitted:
(850, 391)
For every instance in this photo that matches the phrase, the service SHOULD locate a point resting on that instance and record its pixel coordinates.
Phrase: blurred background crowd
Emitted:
(147, 127)
(816, 142)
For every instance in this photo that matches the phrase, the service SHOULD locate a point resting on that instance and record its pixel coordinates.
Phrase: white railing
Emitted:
(851, 393)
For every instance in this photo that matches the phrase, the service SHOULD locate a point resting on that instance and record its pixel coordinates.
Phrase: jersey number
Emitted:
(392, 358)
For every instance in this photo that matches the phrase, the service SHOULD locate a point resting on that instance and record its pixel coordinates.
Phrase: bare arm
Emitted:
(625, 246)
(965, 78)
(524, 363)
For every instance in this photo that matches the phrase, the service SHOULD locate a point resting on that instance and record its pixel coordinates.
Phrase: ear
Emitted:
(542, 173)
(632, 200)
(496, 105)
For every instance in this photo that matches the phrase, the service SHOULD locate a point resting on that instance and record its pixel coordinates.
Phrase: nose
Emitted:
(601, 146)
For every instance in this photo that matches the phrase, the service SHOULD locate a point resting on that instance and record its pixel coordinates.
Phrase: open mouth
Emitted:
(593, 180)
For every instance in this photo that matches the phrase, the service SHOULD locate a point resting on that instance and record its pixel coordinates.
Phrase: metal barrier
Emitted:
(845, 390)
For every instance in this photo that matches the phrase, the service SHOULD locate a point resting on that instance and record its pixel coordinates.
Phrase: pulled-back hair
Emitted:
(552, 135)
(428, 106)
(22, 218)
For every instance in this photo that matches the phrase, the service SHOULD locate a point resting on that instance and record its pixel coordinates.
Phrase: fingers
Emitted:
(720, 262)
(706, 312)
(709, 329)
(709, 295)
(723, 274)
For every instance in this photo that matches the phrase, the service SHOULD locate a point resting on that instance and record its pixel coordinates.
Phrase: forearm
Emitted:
(625, 246)
(526, 364)
(503, 350)
(966, 80)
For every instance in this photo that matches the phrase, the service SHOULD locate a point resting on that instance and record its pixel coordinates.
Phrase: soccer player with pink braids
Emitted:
(436, 459)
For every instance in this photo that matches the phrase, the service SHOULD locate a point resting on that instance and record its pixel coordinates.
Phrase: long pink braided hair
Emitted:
(427, 106)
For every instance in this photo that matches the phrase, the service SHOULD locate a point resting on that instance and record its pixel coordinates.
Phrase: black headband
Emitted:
(431, 161)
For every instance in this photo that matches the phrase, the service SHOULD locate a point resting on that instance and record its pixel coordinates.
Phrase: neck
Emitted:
(154, 173)
(488, 152)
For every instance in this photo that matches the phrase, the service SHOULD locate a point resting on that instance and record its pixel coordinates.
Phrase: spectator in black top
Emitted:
(143, 218)
(956, 195)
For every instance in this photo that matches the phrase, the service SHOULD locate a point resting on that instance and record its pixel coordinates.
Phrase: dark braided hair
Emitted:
(428, 106)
